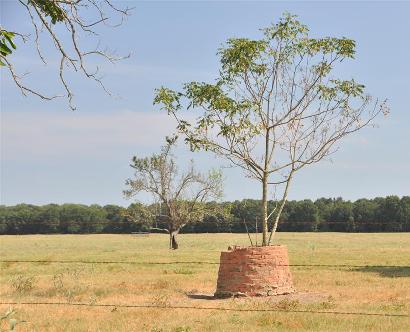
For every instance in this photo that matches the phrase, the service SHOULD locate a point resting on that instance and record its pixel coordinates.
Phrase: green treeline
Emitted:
(389, 214)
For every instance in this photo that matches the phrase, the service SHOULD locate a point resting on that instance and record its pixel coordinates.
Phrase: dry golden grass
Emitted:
(378, 290)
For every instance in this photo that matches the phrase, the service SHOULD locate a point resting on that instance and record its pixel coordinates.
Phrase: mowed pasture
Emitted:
(351, 288)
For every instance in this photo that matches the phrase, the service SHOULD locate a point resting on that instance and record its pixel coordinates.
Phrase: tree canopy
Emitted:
(275, 107)
(382, 214)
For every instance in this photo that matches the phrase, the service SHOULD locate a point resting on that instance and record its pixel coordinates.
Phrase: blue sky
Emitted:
(50, 154)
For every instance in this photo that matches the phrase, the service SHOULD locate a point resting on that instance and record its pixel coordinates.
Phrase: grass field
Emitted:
(345, 289)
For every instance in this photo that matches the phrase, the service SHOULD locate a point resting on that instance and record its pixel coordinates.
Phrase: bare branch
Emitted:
(70, 14)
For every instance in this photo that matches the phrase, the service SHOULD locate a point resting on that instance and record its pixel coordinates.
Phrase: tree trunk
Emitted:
(173, 244)
(284, 198)
(265, 189)
(265, 211)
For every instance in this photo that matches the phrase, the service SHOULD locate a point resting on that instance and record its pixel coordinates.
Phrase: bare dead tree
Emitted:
(275, 107)
(79, 18)
(182, 194)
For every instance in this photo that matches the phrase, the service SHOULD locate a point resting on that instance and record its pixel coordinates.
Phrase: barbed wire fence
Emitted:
(399, 268)
(191, 307)
(175, 307)
(46, 261)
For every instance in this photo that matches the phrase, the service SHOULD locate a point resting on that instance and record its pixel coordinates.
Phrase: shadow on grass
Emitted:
(202, 296)
(387, 271)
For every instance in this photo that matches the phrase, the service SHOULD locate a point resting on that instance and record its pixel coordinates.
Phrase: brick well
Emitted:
(254, 271)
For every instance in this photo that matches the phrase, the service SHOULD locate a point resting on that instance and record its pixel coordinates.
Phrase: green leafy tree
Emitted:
(389, 212)
(302, 216)
(50, 218)
(53, 19)
(364, 215)
(116, 221)
(182, 195)
(364, 211)
(404, 213)
(6, 45)
(341, 218)
(275, 107)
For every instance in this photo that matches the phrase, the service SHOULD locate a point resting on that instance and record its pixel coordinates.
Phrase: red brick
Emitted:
(254, 271)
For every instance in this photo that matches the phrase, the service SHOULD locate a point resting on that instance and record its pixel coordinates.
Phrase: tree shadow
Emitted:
(386, 271)
(202, 296)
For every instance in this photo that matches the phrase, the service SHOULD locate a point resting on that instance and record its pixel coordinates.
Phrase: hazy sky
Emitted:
(50, 154)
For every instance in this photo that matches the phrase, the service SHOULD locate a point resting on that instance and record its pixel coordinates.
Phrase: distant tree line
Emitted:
(389, 214)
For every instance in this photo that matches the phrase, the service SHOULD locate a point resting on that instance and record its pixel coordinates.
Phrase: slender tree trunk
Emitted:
(279, 213)
(265, 211)
(265, 189)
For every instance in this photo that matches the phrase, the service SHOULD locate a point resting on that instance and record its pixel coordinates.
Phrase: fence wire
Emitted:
(186, 307)
(175, 307)
(197, 263)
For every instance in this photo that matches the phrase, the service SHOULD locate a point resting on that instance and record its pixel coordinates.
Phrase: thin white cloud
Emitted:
(73, 134)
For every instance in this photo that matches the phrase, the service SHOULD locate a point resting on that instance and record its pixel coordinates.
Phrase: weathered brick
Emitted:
(254, 271)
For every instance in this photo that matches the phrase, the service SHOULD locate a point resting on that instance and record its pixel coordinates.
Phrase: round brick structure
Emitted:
(254, 271)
